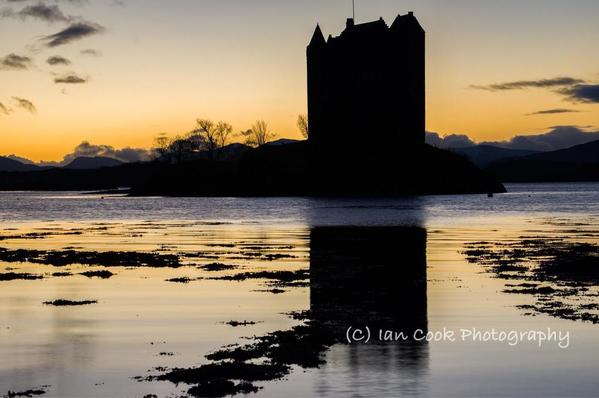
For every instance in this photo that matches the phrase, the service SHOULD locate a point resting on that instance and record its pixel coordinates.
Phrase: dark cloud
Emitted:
(3, 109)
(559, 137)
(448, 141)
(582, 93)
(25, 104)
(552, 111)
(524, 84)
(70, 78)
(48, 13)
(127, 154)
(575, 90)
(75, 31)
(15, 62)
(90, 52)
(57, 1)
(91, 150)
(58, 60)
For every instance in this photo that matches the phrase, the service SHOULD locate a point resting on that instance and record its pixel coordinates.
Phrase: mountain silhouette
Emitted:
(583, 153)
(578, 163)
(7, 164)
(96, 162)
(485, 155)
(270, 170)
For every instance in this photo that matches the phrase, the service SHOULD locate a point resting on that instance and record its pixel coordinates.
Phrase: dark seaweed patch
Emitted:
(183, 279)
(11, 276)
(61, 274)
(565, 269)
(273, 290)
(61, 258)
(221, 388)
(98, 274)
(215, 267)
(28, 393)
(28, 236)
(235, 368)
(62, 302)
(240, 323)
(275, 278)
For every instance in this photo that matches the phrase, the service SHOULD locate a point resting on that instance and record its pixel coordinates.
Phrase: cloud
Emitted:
(126, 154)
(524, 84)
(20, 159)
(15, 62)
(70, 78)
(58, 60)
(575, 90)
(57, 1)
(75, 31)
(552, 111)
(559, 137)
(3, 109)
(48, 13)
(25, 104)
(448, 141)
(582, 93)
(90, 52)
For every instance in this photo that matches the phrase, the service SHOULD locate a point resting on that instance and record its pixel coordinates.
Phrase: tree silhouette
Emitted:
(258, 135)
(162, 146)
(302, 124)
(212, 135)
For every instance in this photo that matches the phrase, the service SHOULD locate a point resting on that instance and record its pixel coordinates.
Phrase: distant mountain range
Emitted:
(8, 164)
(485, 155)
(80, 163)
(89, 163)
(281, 169)
(578, 163)
(584, 153)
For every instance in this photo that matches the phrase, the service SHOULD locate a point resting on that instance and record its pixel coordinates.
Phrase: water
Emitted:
(97, 350)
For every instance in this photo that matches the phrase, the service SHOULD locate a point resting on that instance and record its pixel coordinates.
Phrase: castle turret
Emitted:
(317, 38)
(366, 85)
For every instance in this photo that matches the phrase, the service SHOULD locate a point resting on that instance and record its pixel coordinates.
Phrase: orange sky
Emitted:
(164, 64)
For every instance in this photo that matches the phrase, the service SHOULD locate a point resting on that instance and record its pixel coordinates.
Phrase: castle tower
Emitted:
(367, 85)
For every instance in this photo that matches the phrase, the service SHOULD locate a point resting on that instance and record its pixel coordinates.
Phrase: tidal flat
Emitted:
(174, 297)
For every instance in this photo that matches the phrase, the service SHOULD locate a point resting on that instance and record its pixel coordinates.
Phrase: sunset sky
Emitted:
(120, 72)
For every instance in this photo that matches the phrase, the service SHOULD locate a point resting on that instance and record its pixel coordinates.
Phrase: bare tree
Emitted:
(162, 145)
(212, 135)
(178, 148)
(259, 134)
(302, 124)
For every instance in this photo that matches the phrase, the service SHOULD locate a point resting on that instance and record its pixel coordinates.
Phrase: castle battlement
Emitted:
(367, 83)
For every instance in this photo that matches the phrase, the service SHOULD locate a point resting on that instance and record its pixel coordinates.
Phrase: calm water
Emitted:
(97, 350)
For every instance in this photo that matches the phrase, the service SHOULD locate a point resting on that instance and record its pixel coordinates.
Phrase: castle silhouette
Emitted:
(366, 111)
(366, 93)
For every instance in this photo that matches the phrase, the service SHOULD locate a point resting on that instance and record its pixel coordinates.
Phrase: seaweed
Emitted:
(62, 302)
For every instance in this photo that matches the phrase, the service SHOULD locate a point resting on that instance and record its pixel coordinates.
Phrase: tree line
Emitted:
(210, 137)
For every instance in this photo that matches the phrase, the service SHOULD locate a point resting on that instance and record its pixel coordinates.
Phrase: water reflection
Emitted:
(375, 277)
(49, 355)
(371, 277)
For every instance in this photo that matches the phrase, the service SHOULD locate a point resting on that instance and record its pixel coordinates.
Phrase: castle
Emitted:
(366, 90)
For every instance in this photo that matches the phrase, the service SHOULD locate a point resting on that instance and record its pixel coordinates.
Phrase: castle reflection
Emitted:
(375, 277)
(369, 276)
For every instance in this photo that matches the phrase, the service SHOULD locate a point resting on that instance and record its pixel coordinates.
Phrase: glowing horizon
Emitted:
(162, 66)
